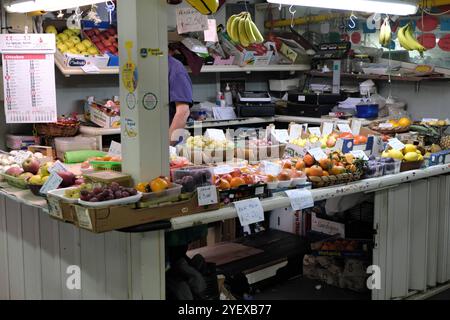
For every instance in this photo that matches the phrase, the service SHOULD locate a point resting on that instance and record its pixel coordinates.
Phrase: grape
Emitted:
(94, 200)
(118, 194)
(109, 198)
(97, 190)
(125, 194)
(84, 193)
(133, 192)
(114, 187)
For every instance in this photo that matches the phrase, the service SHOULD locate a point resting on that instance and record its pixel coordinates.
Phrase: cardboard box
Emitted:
(46, 151)
(71, 60)
(102, 118)
(114, 218)
(60, 210)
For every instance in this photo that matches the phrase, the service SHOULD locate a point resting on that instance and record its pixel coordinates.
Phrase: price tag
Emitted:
(57, 167)
(84, 219)
(54, 208)
(295, 131)
(52, 183)
(359, 154)
(425, 120)
(210, 35)
(396, 144)
(215, 134)
(223, 170)
(317, 153)
(21, 157)
(172, 151)
(249, 211)
(207, 195)
(115, 150)
(190, 20)
(386, 125)
(356, 127)
(281, 135)
(301, 98)
(315, 131)
(327, 128)
(295, 151)
(270, 168)
(343, 127)
(300, 199)
(90, 68)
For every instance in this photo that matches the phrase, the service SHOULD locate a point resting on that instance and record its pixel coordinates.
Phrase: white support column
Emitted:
(142, 26)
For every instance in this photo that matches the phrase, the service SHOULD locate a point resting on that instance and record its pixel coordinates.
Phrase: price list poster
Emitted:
(29, 77)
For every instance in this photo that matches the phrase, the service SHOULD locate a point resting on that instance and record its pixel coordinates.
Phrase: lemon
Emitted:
(385, 154)
(411, 156)
(404, 122)
(396, 154)
(420, 158)
(410, 148)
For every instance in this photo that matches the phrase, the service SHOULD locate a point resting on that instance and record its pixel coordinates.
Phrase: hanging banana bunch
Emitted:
(205, 7)
(242, 29)
(385, 33)
(408, 41)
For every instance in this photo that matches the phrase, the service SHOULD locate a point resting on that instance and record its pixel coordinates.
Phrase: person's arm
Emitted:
(180, 118)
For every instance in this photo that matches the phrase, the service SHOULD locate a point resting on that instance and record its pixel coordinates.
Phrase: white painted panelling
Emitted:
(31, 253)
(70, 254)
(134, 264)
(4, 274)
(50, 259)
(398, 239)
(444, 207)
(433, 219)
(15, 249)
(418, 224)
(93, 270)
(153, 276)
(116, 261)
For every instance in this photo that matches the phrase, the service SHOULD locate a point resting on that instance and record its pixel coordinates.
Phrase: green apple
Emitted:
(74, 50)
(76, 31)
(69, 44)
(63, 37)
(62, 47)
(36, 180)
(93, 51)
(68, 32)
(51, 29)
(75, 39)
(81, 47)
(84, 53)
(87, 43)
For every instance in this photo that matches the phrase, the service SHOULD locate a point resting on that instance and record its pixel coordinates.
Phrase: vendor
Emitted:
(180, 97)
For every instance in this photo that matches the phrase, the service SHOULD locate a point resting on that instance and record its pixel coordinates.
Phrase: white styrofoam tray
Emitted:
(59, 193)
(117, 202)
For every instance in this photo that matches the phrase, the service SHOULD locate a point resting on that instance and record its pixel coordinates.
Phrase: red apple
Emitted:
(236, 173)
(95, 39)
(68, 178)
(107, 43)
(15, 171)
(31, 165)
(112, 49)
(96, 31)
(112, 31)
(100, 46)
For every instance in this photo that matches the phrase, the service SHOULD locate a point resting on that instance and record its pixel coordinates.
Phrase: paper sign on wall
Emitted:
(249, 211)
(190, 20)
(281, 135)
(54, 208)
(300, 199)
(211, 33)
(29, 77)
(115, 150)
(207, 195)
(315, 131)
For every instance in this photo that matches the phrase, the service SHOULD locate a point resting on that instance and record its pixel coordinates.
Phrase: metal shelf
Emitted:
(67, 72)
(249, 69)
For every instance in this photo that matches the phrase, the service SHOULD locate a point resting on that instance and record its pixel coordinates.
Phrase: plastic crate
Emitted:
(15, 182)
(106, 165)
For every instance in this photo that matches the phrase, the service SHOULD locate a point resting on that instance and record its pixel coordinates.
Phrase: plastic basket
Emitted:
(106, 165)
(15, 182)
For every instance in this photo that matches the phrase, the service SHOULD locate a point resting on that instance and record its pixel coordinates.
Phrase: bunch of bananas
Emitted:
(243, 30)
(385, 33)
(408, 41)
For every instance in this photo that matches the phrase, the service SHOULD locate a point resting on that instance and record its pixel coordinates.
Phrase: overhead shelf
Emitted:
(249, 69)
(79, 72)
(380, 77)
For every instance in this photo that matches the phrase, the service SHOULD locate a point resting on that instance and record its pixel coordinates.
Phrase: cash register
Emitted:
(255, 104)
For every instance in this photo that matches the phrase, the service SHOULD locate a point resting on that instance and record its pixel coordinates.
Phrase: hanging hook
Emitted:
(353, 19)
(292, 12)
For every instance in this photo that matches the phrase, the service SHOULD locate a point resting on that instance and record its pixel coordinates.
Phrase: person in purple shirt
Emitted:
(180, 96)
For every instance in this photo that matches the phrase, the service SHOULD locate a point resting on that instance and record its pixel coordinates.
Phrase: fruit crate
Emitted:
(336, 246)
(106, 165)
(259, 190)
(409, 166)
(15, 182)
(166, 196)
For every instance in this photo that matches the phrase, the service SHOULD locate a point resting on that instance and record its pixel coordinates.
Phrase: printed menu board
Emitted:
(29, 78)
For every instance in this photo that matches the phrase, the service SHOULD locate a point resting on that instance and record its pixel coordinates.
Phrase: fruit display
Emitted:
(328, 141)
(407, 39)
(190, 178)
(385, 37)
(445, 142)
(69, 41)
(341, 247)
(203, 150)
(108, 193)
(202, 142)
(435, 123)
(8, 160)
(391, 126)
(242, 30)
(75, 193)
(103, 40)
(409, 154)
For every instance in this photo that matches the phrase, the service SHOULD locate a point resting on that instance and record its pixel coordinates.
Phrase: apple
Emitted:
(36, 180)
(112, 31)
(112, 49)
(62, 37)
(68, 178)
(79, 181)
(87, 43)
(31, 165)
(236, 173)
(96, 31)
(14, 171)
(51, 29)
(69, 43)
(100, 46)
(76, 40)
(331, 142)
(81, 47)
(95, 39)
(93, 51)
(62, 47)
(25, 176)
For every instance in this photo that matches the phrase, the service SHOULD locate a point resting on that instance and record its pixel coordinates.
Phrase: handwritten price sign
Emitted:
(249, 211)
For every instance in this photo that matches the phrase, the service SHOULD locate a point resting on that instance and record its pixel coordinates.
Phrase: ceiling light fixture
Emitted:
(395, 7)
(24, 6)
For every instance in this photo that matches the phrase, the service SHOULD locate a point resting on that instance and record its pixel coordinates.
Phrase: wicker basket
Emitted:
(56, 129)
(321, 182)
(375, 126)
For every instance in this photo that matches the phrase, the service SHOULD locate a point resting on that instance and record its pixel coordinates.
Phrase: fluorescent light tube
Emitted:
(46, 5)
(397, 7)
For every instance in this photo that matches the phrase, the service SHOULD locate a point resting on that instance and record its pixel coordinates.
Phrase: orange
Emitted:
(158, 185)
(309, 160)
(325, 164)
(237, 182)
(315, 171)
(300, 165)
(404, 122)
(224, 184)
(337, 170)
(326, 174)
(141, 187)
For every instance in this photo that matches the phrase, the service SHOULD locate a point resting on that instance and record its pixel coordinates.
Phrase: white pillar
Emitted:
(144, 94)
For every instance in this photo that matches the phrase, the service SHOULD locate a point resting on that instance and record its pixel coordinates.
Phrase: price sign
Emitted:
(317, 153)
(249, 211)
(57, 167)
(215, 134)
(52, 183)
(359, 154)
(281, 135)
(207, 195)
(115, 150)
(327, 128)
(223, 170)
(172, 151)
(386, 125)
(356, 127)
(425, 120)
(343, 127)
(271, 168)
(396, 144)
(315, 131)
(190, 20)
(84, 219)
(54, 209)
(295, 131)
(21, 157)
(300, 199)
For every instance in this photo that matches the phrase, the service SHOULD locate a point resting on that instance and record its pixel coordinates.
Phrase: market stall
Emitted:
(92, 206)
